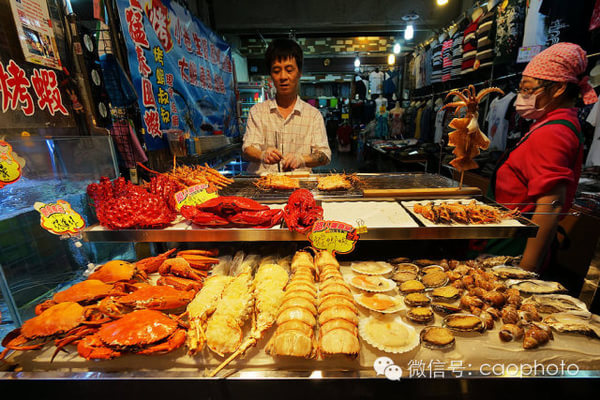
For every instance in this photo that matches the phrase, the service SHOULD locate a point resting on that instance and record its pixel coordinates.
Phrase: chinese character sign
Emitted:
(59, 218)
(182, 71)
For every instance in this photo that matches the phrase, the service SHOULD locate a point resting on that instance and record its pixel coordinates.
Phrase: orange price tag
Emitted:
(333, 236)
(10, 169)
(59, 218)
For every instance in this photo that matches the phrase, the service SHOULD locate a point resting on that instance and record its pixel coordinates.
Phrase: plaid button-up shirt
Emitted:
(302, 132)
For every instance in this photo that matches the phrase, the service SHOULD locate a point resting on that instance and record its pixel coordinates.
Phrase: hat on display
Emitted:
(563, 62)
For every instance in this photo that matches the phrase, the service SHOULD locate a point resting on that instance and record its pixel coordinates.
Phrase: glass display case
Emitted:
(250, 93)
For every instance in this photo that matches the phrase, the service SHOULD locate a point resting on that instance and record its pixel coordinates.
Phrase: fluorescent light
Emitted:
(409, 33)
(357, 62)
(397, 48)
(442, 2)
(391, 59)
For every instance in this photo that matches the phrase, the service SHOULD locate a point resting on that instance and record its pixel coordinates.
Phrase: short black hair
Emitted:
(282, 49)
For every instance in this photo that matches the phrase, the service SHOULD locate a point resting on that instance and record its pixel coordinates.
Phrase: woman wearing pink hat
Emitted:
(542, 171)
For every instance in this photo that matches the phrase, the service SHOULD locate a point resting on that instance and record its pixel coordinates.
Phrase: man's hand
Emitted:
(292, 161)
(271, 156)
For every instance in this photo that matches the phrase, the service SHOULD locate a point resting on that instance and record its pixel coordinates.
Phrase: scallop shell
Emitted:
(390, 333)
(451, 320)
(536, 286)
(510, 272)
(431, 345)
(372, 283)
(365, 300)
(372, 268)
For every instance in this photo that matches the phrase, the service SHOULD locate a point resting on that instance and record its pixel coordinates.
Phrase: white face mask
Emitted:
(525, 106)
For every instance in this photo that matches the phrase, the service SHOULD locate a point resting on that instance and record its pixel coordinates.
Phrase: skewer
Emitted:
(462, 175)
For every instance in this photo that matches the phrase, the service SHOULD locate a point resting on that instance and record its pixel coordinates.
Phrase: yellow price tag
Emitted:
(346, 116)
(333, 236)
(10, 169)
(194, 195)
(59, 218)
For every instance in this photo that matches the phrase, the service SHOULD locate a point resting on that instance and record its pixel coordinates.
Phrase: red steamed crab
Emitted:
(122, 205)
(232, 211)
(301, 211)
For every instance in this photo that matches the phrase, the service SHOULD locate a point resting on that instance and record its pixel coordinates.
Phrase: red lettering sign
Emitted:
(46, 88)
(152, 122)
(175, 121)
(169, 79)
(147, 94)
(135, 26)
(14, 87)
(193, 74)
(158, 14)
(197, 44)
(183, 66)
(143, 67)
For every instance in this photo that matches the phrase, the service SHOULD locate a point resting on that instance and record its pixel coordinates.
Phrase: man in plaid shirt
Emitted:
(286, 133)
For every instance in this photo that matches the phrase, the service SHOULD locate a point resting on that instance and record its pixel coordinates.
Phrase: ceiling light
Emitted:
(442, 2)
(397, 48)
(409, 33)
(357, 62)
(391, 59)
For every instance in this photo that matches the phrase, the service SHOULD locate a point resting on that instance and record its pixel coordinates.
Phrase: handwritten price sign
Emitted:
(59, 218)
(10, 169)
(333, 236)
(194, 195)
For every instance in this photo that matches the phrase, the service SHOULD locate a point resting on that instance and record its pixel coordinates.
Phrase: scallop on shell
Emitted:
(536, 286)
(391, 335)
(371, 267)
(510, 272)
(372, 283)
(379, 302)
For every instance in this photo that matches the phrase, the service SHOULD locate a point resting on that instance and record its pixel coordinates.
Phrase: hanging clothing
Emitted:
(497, 122)
(381, 128)
(534, 33)
(376, 82)
(389, 84)
(593, 157)
(361, 88)
(426, 124)
(510, 18)
(469, 47)
(446, 60)
(428, 71)
(439, 125)
(486, 32)
(418, 122)
(436, 62)
(456, 54)
(409, 121)
(567, 21)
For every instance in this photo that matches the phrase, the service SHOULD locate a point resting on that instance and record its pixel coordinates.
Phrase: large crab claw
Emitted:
(150, 264)
(193, 214)
(260, 219)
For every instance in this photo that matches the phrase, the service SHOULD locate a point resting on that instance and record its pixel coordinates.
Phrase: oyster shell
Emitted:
(437, 338)
(572, 322)
(411, 287)
(391, 335)
(445, 293)
(556, 303)
(506, 272)
(421, 315)
(417, 299)
(379, 302)
(464, 323)
(536, 286)
(407, 267)
(445, 308)
(372, 283)
(497, 260)
(435, 279)
(403, 276)
(371, 267)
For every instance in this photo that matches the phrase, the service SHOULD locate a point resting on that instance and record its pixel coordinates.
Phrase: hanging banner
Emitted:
(182, 71)
(34, 28)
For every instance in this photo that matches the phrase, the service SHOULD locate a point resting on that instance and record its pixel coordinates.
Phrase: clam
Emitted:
(391, 335)
(464, 323)
(417, 299)
(435, 279)
(445, 308)
(556, 303)
(536, 286)
(371, 268)
(421, 315)
(411, 287)
(437, 338)
(372, 283)
(445, 293)
(572, 322)
(506, 272)
(379, 302)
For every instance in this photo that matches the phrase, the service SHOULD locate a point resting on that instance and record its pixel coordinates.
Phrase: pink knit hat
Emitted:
(563, 62)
